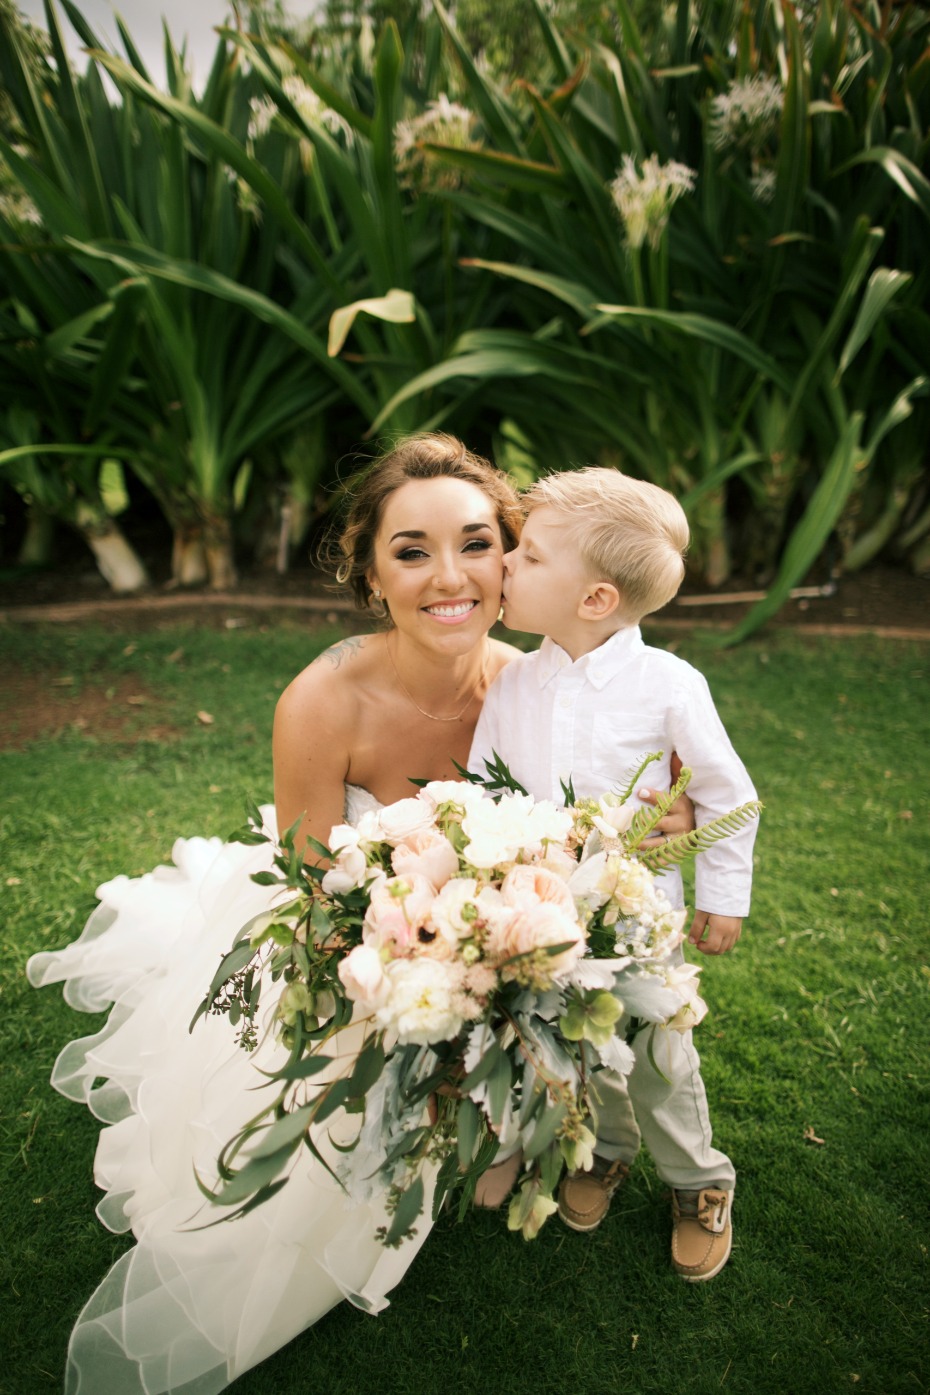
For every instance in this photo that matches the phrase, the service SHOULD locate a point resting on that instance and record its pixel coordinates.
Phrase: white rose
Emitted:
(405, 819)
(363, 977)
(449, 792)
(350, 867)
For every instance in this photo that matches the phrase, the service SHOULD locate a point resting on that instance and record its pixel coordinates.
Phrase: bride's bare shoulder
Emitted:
(326, 686)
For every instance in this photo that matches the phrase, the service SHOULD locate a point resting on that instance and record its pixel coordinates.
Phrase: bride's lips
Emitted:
(450, 612)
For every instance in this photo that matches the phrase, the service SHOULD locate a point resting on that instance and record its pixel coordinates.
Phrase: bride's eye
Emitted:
(410, 554)
(478, 545)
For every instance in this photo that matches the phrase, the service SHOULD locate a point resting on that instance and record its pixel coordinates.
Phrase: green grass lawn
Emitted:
(815, 1049)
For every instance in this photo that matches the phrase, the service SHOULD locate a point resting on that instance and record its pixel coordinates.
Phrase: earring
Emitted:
(376, 605)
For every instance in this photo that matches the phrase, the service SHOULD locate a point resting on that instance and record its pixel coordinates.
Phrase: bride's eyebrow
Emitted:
(418, 533)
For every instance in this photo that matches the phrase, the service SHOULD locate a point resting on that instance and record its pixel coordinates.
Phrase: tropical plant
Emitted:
(738, 336)
(128, 200)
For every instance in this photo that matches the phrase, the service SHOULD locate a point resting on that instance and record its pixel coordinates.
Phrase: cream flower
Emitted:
(747, 114)
(644, 199)
(684, 979)
(423, 1001)
(405, 819)
(529, 1210)
(517, 825)
(578, 1150)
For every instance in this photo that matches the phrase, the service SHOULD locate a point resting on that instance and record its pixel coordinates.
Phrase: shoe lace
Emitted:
(710, 1212)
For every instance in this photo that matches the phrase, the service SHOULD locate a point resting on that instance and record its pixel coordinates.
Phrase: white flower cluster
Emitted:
(444, 122)
(644, 198)
(17, 208)
(312, 109)
(746, 116)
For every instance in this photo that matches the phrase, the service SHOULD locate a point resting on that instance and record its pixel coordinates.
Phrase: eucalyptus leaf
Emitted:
(409, 1207)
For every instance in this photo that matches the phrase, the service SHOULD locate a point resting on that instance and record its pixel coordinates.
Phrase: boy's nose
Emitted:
(509, 560)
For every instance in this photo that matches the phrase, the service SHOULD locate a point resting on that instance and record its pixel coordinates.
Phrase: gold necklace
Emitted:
(431, 715)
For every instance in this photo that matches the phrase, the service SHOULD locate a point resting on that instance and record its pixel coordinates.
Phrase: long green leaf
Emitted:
(701, 327)
(810, 534)
(883, 286)
(910, 180)
(136, 259)
(228, 149)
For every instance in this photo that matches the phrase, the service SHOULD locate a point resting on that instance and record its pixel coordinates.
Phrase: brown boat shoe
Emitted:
(702, 1233)
(584, 1197)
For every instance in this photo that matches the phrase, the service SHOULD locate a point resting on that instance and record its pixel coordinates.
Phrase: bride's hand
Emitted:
(678, 819)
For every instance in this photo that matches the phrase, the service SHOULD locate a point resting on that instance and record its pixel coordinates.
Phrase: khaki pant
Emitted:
(670, 1116)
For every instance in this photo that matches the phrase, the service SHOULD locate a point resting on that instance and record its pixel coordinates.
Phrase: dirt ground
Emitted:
(884, 600)
(882, 597)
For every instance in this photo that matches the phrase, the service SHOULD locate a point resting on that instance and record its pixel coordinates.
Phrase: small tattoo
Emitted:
(346, 648)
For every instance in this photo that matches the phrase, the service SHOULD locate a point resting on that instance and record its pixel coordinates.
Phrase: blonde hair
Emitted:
(628, 532)
(430, 455)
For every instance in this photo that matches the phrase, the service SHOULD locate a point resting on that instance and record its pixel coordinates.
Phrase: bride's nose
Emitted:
(449, 572)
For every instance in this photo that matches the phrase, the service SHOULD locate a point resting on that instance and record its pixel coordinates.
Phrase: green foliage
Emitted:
(817, 1027)
(688, 243)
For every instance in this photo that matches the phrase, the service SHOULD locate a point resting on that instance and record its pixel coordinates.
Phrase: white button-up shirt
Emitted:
(592, 721)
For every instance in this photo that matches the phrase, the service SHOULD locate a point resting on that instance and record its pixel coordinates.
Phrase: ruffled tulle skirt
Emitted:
(189, 1308)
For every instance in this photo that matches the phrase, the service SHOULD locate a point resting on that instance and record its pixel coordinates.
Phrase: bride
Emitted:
(189, 1308)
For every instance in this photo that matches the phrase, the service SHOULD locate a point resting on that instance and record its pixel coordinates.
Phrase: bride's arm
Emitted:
(311, 755)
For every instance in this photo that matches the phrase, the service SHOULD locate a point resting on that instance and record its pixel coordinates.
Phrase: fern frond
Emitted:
(688, 845)
(645, 820)
(633, 775)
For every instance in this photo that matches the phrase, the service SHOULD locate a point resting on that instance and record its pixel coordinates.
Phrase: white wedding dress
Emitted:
(188, 1309)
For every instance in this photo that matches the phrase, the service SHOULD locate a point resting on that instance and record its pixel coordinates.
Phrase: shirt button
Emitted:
(565, 702)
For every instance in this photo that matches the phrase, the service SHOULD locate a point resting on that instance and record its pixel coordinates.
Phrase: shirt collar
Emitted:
(599, 666)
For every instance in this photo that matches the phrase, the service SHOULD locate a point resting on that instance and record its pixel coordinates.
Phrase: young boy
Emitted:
(598, 552)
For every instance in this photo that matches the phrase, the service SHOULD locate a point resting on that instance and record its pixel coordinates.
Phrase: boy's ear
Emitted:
(599, 602)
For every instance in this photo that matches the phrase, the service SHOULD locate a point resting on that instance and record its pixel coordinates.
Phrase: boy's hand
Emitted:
(714, 934)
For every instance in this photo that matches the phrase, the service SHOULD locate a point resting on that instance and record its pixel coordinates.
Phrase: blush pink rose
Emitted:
(525, 931)
(426, 854)
(525, 886)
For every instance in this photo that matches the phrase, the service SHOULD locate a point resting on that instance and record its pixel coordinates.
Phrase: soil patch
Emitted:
(883, 599)
(42, 705)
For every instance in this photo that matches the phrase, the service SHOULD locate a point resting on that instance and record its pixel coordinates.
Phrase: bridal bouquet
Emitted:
(491, 954)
